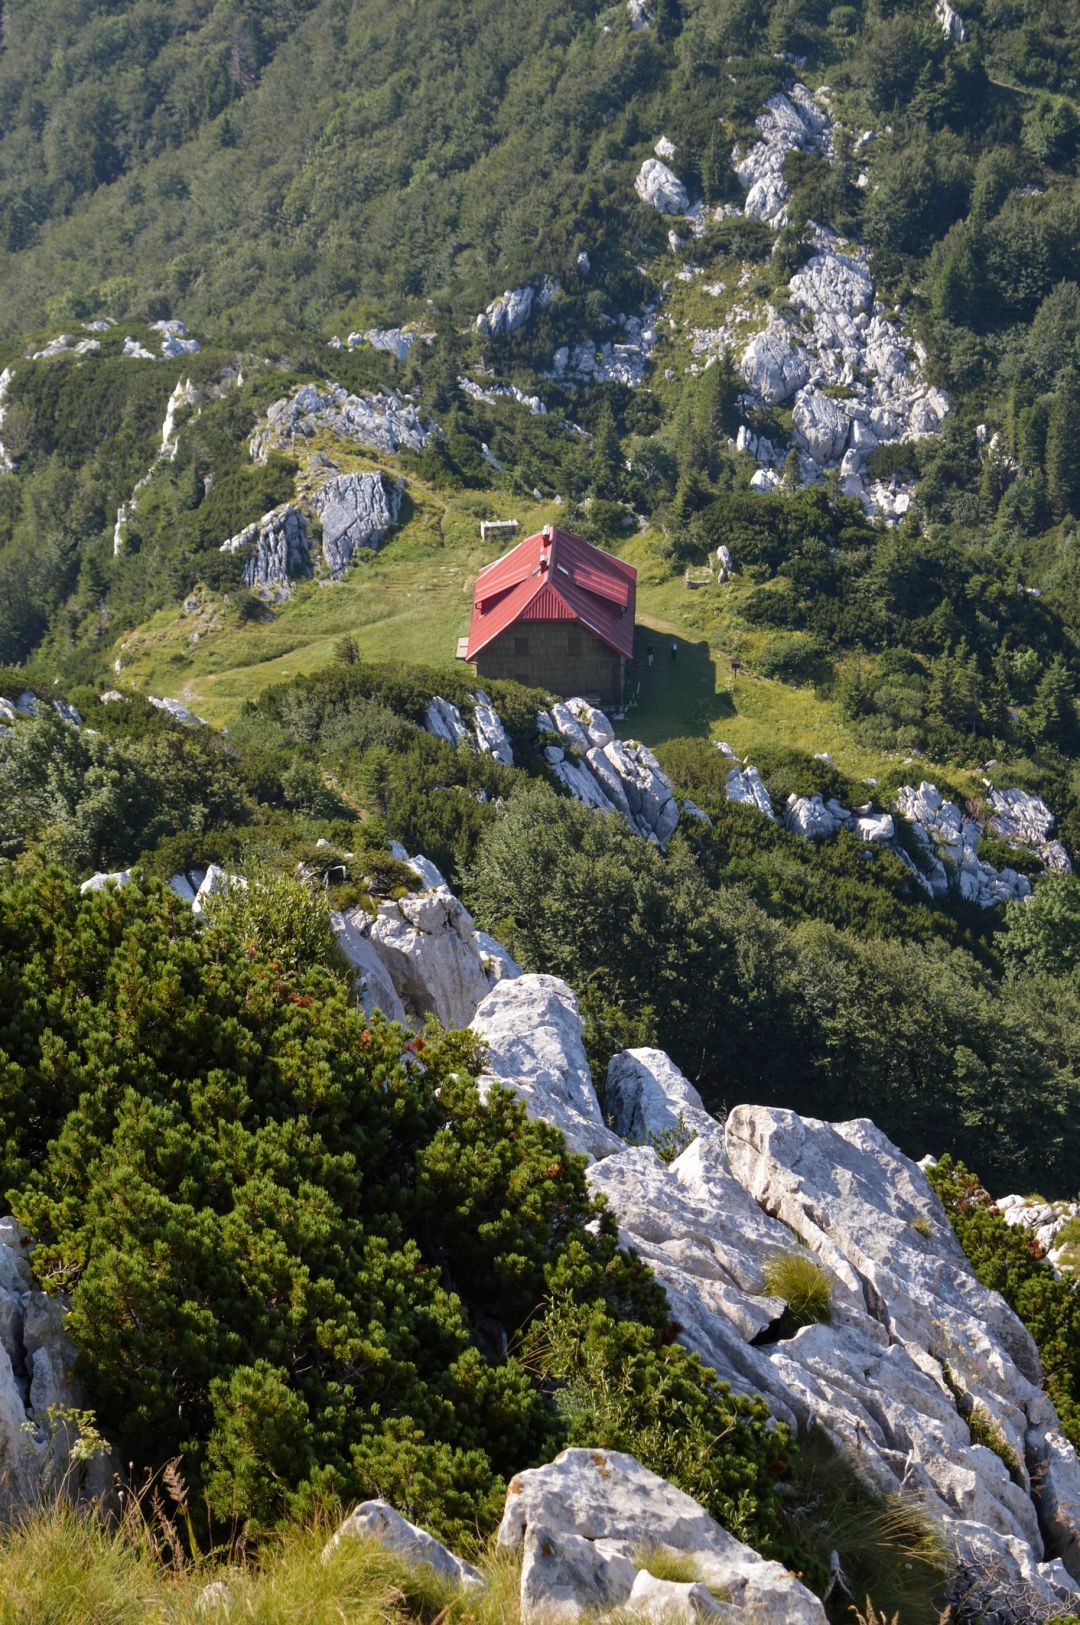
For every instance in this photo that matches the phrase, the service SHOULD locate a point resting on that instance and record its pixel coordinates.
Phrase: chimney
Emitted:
(546, 533)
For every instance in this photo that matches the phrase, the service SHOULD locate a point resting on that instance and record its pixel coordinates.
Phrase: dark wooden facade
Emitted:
(561, 656)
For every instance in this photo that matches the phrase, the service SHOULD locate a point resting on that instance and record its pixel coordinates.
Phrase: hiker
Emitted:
(674, 649)
(649, 652)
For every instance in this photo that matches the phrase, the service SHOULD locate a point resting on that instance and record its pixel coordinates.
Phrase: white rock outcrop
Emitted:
(583, 1521)
(792, 123)
(37, 1373)
(745, 784)
(647, 1098)
(661, 188)
(382, 422)
(356, 511)
(178, 711)
(275, 550)
(7, 462)
(377, 1520)
(531, 1026)
(854, 377)
(510, 311)
(371, 977)
(614, 775)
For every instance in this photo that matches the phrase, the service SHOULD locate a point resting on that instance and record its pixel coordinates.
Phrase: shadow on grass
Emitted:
(676, 697)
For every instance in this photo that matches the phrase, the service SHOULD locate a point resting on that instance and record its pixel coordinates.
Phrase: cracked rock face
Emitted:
(37, 1370)
(381, 422)
(661, 188)
(356, 511)
(275, 549)
(583, 1518)
(532, 1028)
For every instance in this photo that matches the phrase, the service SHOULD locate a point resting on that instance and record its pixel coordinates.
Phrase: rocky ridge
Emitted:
(275, 550)
(913, 1345)
(625, 778)
(382, 422)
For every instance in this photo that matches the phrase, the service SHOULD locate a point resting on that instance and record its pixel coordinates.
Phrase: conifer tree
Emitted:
(1063, 447)
(1052, 713)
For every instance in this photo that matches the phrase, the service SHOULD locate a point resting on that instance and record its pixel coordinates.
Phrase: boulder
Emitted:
(809, 816)
(531, 1026)
(821, 426)
(444, 720)
(875, 827)
(608, 1501)
(902, 1283)
(372, 979)
(508, 313)
(38, 1365)
(670, 1602)
(426, 942)
(833, 284)
(491, 736)
(356, 511)
(657, 186)
(99, 882)
(746, 785)
(773, 366)
(647, 1097)
(377, 1520)
(381, 422)
(275, 549)
(178, 711)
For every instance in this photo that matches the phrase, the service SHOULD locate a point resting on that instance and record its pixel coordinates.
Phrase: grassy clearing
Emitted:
(66, 1568)
(411, 601)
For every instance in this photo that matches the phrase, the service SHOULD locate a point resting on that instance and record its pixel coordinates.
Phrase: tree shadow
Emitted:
(675, 696)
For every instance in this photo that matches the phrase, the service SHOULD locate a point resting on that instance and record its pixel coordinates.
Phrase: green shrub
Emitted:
(1006, 1259)
(803, 1285)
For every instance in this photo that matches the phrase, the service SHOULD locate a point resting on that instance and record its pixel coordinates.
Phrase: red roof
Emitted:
(554, 576)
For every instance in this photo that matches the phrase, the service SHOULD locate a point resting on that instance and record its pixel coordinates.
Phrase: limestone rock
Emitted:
(178, 711)
(821, 426)
(952, 24)
(809, 816)
(875, 827)
(657, 186)
(425, 941)
(670, 1602)
(356, 511)
(377, 1520)
(275, 549)
(532, 1028)
(874, 1224)
(7, 463)
(491, 736)
(376, 990)
(383, 422)
(607, 1500)
(773, 366)
(99, 882)
(511, 310)
(746, 785)
(833, 284)
(37, 1370)
(648, 1097)
(444, 720)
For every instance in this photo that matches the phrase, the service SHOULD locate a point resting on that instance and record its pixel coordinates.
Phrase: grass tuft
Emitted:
(803, 1285)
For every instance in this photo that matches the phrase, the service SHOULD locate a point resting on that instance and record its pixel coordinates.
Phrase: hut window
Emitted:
(573, 643)
(521, 646)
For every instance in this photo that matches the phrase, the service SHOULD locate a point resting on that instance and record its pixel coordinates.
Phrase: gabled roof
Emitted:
(555, 576)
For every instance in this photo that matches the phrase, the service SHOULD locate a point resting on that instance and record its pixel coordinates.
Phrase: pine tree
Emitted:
(606, 458)
(1063, 447)
(1052, 713)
